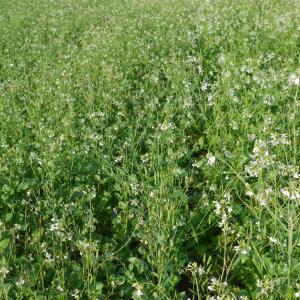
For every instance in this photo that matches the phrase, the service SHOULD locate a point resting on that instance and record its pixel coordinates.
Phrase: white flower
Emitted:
(297, 295)
(261, 158)
(259, 283)
(76, 294)
(17, 226)
(236, 248)
(290, 195)
(249, 193)
(285, 192)
(221, 58)
(196, 165)
(211, 288)
(210, 99)
(244, 252)
(262, 200)
(204, 86)
(213, 280)
(139, 293)
(200, 270)
(294, 80)
(152, 194)
(211, 159)
(4, 271)
(165, 126)
(48, 257)
(145, 158)
(218, 207)
(273, 240)
(118, 158)
(59, 288)
(20, 282)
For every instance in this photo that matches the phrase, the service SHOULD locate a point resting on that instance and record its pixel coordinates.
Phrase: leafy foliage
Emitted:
(149, 149)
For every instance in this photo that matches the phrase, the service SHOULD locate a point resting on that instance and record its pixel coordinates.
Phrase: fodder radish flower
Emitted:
(294, 80)
(211, 159)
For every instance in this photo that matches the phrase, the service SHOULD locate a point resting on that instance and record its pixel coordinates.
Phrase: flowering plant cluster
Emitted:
(149, 149)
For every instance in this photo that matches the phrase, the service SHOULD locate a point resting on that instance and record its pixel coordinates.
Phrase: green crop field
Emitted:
(149, 149)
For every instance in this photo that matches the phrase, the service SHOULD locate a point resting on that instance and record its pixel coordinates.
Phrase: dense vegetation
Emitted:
(149, 149)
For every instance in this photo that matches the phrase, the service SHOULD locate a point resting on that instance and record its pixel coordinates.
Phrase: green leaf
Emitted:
(3, 244)
(8, 217)
(22, 186)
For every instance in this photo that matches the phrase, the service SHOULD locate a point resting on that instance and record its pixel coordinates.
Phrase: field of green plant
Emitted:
(149, 149)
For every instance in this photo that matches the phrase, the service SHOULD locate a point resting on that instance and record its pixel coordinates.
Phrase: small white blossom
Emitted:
(59, 288)
(3, 272)
(20, 282)
(204, 86)
(249, 193)
(75, 294)
(139, 293)
(294, 80)
(273, 240)
(211, 159)
(17, 226)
